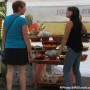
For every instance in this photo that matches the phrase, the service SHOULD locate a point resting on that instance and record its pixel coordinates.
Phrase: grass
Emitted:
(59, 27)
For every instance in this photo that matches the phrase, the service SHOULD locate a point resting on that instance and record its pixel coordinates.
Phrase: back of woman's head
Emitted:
(75, 13)
(16, 5)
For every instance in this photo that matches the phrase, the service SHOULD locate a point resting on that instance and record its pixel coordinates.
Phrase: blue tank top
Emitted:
(14, 38)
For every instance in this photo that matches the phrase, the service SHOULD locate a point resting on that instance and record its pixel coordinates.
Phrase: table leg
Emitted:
(40, 69)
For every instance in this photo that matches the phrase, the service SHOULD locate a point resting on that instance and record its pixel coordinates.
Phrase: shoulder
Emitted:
(22, 19)
(69, 24)
(7, 17)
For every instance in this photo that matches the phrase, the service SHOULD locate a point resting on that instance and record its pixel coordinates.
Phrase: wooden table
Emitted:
(40, 68)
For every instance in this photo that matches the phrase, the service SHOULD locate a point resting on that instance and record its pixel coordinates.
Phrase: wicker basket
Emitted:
(51, 43)
(41, 51)
(52, 58)
(85, 48)
(84, 57)
(35, 39)
(57, 37)
(49, 47)
(85, 39)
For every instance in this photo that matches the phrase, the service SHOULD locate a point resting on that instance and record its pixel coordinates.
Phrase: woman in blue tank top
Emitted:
(72, 39)
(17, 44)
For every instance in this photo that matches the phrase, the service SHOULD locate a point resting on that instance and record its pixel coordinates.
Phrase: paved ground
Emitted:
(86, 83)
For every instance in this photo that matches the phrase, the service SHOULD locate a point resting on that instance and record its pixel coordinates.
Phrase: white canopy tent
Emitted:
(49, 3)
(84, 68)
(44, 6)
(1, 0)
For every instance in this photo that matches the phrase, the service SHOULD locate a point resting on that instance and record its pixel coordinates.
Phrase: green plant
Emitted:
(2, 10)
(43, 34)
(29, 18)
(33, 32)
(51, 53)
(41, 25)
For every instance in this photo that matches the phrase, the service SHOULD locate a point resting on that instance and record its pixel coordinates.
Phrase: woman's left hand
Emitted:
(30, 57)
(59, 52)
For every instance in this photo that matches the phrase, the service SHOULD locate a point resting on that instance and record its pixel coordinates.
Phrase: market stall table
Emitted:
(40, 68)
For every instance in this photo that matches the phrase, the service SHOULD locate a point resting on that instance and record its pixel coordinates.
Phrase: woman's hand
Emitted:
(30, 57)
(59, 52)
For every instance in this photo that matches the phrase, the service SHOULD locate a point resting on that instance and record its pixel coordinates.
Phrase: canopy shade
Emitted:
(55, 2)
(1, 0)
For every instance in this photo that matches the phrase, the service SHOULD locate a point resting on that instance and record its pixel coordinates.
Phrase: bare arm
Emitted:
(68, 28)
(3, 37)
(27, 41)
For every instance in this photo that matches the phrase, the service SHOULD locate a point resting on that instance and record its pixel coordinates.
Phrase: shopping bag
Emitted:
(3, 56)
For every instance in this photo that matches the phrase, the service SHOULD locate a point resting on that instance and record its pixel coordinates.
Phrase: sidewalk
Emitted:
(85, 80)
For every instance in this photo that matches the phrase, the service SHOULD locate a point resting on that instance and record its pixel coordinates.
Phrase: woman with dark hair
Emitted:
(17, 44)
(72, 39)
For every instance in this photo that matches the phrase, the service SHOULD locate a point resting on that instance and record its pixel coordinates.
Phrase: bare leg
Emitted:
(22, 77)
(9, 76)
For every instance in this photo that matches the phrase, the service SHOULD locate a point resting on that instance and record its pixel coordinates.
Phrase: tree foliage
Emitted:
(3, 9)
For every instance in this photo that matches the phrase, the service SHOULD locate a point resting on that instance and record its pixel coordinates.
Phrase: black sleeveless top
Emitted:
(74, 41)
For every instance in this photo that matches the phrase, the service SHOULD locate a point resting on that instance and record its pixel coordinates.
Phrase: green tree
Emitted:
(3, 9)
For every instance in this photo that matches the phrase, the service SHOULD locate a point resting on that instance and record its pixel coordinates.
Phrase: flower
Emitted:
(51, 53)
(35, 28)
(43, 34)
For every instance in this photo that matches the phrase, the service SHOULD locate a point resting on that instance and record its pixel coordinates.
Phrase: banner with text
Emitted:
(55, 13)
